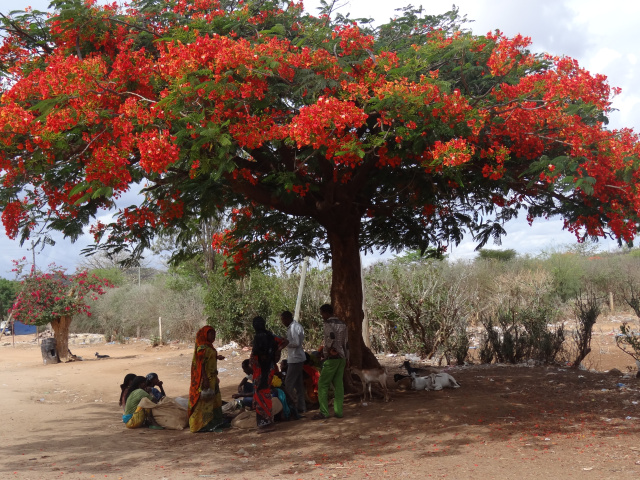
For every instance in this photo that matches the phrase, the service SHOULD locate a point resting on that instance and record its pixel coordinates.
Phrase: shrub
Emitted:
(523, 333)
(586, 310)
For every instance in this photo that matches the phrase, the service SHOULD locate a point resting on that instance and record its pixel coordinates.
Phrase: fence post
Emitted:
(611, 302)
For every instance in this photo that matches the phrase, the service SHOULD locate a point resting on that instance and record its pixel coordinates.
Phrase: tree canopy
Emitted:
(46, 296)
(321, 135)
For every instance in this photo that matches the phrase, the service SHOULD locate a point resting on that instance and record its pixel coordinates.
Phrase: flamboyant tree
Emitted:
(55, 297)
(320, 135)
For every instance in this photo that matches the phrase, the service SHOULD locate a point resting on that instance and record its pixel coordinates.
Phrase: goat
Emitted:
(398, 376)
(101, 356)
(417, 371)
(369, 376)
(418, 383)
(439, 381)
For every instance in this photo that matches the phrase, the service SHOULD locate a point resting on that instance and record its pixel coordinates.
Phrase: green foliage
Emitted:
(231, 303)
(499, 255)
(568, 274)
(414, 305)
(8, 291)
(418, 307)
(521, 333)
(629, 341)
(130, 310)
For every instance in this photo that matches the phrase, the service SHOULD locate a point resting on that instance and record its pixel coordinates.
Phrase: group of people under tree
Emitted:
(205, 413)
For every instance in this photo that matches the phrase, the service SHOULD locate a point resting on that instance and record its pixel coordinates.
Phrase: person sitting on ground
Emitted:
(288, 410)
(311, 375)
(245, 388)
(246, 385)
(152, 382)
(134, 416)
(128, 378)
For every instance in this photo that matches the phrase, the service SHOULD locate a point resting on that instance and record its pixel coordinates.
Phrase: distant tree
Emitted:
(500, 255)
(190, 251)
(319, 135)
(8, 292)
(54, 297)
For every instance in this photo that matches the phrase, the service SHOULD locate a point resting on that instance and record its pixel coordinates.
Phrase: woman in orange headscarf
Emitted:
(205, 400)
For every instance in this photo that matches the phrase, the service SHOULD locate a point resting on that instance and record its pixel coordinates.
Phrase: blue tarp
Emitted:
(22, 329)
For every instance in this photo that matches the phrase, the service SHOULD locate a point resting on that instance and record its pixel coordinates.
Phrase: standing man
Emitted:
(335, 351)
(294, 381)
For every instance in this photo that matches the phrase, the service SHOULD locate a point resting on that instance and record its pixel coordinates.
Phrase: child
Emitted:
(152, 382)
(245, 388)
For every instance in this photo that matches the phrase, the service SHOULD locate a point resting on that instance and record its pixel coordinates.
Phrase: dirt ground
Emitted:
(505, 422)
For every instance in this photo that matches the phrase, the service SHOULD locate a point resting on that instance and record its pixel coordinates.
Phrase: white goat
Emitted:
(369, 376)
(435, 381)
(418, 383)
(438, 381)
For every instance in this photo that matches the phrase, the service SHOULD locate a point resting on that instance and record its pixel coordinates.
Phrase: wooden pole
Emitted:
(303, 275)
(611, 302)
(365, 320)
(160, 327)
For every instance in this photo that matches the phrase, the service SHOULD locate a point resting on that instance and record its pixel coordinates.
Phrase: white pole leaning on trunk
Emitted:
(160, 327)
(303, 274)
(365, 320)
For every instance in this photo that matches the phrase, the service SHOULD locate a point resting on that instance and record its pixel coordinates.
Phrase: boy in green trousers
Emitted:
(335, 351)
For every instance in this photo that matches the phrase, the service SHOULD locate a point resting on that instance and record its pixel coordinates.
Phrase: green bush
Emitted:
(522, 333)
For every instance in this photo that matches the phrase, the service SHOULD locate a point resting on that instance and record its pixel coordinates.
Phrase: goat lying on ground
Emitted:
(372, 375)
(418, 383)
(438, 381)
(435, 381)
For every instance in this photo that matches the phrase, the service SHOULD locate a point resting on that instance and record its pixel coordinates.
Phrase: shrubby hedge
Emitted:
(512, 308)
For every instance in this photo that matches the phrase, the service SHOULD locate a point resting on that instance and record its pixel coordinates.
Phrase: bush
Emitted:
(519, 334)
(498, 255)
(586, 310)
(418, 307)
(629, 342)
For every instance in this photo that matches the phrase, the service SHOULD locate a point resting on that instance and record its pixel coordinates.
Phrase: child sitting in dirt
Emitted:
(245, 388)
(152, 382)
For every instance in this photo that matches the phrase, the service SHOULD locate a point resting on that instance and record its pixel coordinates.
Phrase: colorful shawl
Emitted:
(197, 365)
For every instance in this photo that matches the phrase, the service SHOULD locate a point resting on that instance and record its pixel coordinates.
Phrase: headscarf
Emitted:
(264, 348)
(197, 364)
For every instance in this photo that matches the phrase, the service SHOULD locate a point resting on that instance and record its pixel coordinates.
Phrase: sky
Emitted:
(601, 36)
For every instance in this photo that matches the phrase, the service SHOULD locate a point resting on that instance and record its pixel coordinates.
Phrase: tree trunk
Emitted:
(346, 291)
(61, 334)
